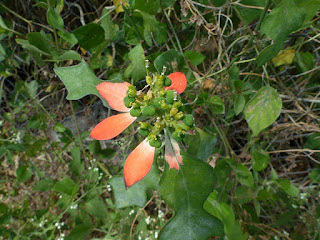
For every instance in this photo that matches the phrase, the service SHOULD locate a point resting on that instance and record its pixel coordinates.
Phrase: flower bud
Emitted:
(135, 112)
(132, 91)
(177, 104)
(178, 116)
(155, 142)
(144, 125)
(149, 110)
(157, 102)
(173, 111)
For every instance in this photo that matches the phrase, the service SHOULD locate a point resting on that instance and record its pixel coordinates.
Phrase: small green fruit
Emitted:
(155, 143)
(128, 101)
(188, 120)
(149, 110)
(170, 97)
(135, 112)
(177, 136)
(157, 102)
(167, 82)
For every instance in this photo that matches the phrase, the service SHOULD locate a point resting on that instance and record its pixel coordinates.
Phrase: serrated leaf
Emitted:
(185, 191)
(263, 109)
(171, 59)
(79, 80)
(243, 175)
(137, 194)
(90, 36)
(136, 69)
(23, 173)
(54, 19)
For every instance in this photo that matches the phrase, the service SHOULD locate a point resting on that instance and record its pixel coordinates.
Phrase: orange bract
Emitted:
(178, 82)
(114, 93)
(112, 126)
(139, 163)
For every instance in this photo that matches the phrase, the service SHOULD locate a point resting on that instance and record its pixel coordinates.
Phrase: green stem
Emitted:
(14, 13)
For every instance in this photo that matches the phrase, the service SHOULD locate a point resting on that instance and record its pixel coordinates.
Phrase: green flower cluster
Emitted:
(160, 108)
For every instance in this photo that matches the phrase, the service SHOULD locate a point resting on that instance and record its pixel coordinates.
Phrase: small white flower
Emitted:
(139, 237)
(160, 214)
(109, 188)
(57, 224)
(96, 169)
(63, 235)
(60, 196)
(148, 220)
(131, 212)
(156, 234)
(89, 168)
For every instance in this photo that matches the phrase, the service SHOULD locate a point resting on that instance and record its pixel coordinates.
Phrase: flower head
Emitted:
(159, 107)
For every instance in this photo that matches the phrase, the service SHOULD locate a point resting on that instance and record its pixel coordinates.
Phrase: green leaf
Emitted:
(66, 186)
(81, 231)
(185, 191)
(69, 37)
(269, 52)
(137, 194)
(43, 42)
(223, 169)
(222, 211)
(76, 165)
(233, 77)
(90, 36)
(263, 109)
(239, 104)
(151, 7)
(79, 80)
(23, 173)
(315, 174)
(137, 68)
(250, 14)
(111, 30)
(260, 159)
(33, 88)
(194, 57)
(97, 208)
(171, 59)
(216, 105)
(243, 194)
(284, 19)
(243, 175)
(304, 61)
(44, 185)
(201, 144)
(310, 7)
(288, 187)
(69, 55)
(54, 19)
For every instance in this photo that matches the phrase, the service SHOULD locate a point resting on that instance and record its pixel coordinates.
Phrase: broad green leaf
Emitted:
(315, 174)
(201, 144)
(311, 7)
(194, 57)
(90, 36)
(249, 14)
(171, 59)
(69, 37)
(136, 69)
(185, 191)
(216, 105)
(54, 19)
(288, 187)
(239, 104)
(269, 52)
(286, 18)
(97, 208)
(24, 173)
(260, 159)
(43, 42)
(304, 61)
(243, 194)
(44, 185)
(223, 169)
(79, 80)
(166, 3)
(243, 175)
(80, 232)
(263, 109)
(137, 194)
(33, 88)
(66, 186)
(233, 77)
(313, 142)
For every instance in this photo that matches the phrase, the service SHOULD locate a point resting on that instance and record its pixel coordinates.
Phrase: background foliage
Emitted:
(250, 171)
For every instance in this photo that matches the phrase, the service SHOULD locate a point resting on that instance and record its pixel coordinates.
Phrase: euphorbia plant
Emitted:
(157, 107)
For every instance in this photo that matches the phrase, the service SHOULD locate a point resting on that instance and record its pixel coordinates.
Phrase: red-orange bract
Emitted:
(139, 162)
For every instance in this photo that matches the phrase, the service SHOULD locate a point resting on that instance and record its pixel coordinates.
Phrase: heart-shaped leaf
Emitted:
(185, 191)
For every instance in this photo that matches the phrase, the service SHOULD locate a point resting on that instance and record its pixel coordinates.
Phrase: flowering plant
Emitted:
(158, 109)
